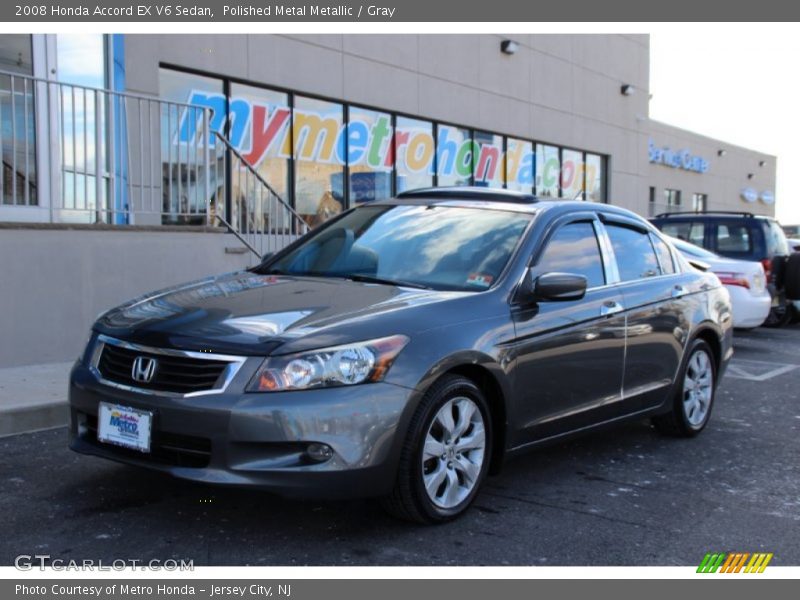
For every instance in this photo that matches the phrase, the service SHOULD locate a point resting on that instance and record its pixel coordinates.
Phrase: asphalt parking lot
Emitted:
(622, 497)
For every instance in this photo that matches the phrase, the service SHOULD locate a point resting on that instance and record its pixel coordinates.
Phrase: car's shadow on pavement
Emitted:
(111, 489)
(570, 503)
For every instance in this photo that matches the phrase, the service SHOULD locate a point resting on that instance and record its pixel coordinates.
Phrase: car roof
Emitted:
(498, 199)
(710, 215)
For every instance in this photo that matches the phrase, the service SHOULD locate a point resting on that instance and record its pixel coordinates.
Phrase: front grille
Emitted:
(165, 448)
(178, 374)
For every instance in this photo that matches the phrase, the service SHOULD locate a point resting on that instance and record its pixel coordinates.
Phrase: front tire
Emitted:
(446, 454)
(694, 396)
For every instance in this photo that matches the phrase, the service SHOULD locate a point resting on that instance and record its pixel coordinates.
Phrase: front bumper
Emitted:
(257, 440)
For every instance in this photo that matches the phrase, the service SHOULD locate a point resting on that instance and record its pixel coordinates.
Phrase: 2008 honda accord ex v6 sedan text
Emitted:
(405, 348)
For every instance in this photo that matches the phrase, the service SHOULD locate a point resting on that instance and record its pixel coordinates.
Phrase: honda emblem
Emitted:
(144, 369)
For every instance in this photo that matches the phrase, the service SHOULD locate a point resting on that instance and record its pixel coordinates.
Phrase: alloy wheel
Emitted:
(453, 454)
(698, 388)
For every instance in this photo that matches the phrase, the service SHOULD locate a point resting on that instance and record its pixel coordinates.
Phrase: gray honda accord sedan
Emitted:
(405, 349)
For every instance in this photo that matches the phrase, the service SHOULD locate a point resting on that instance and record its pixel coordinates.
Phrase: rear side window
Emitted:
(636, 258)
(574, 249)
(734, 238)
(688, 231)
(664, 255)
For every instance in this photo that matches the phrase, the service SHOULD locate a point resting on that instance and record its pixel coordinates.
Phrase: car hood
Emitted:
(251, 314)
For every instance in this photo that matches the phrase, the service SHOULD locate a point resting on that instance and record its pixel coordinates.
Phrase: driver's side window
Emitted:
(574, 248)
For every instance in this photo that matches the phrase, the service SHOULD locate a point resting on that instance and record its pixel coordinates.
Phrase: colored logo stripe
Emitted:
(734, 562)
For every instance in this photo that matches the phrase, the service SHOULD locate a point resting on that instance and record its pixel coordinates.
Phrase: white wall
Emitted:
(55, 282)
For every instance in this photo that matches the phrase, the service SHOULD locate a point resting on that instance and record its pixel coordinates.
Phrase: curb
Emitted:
(33, 418)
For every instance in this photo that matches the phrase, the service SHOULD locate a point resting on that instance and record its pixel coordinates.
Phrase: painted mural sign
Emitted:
(259, 131)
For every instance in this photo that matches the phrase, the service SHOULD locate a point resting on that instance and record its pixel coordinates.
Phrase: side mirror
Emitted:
(267, 256)
(559, 286)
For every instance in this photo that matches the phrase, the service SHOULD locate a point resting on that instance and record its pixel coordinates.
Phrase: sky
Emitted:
(737, 84)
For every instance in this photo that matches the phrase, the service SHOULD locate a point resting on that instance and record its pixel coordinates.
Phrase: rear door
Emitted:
(656, 302)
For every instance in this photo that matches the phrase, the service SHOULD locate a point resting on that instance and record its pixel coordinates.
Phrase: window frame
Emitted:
(606, 260)
(640, 228)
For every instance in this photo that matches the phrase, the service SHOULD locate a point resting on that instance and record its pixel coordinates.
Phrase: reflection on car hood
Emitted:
(247, 313)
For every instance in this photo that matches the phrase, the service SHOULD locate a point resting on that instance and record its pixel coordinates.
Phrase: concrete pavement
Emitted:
(626, 496)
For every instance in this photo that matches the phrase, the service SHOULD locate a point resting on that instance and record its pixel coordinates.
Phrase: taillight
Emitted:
(733, 279)
(767, 264)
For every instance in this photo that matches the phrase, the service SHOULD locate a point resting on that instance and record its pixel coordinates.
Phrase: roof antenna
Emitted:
(578, 195)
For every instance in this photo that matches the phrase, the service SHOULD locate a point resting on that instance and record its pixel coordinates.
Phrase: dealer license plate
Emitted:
(124, 426)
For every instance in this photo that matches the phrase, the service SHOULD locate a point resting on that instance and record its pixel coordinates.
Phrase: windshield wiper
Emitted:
(351, 276)
(385, 281)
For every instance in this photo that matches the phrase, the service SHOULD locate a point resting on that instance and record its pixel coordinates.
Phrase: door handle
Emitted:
(610, 307)
(679, 291)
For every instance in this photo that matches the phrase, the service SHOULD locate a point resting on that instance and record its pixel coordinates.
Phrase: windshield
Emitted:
(691, 249)
(437, 247)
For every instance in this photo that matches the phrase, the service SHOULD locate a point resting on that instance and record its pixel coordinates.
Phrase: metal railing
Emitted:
(94, 155)
(73, 153)
(261, 218)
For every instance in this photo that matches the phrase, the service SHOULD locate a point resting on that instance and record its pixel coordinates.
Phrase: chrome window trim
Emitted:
(234, 364)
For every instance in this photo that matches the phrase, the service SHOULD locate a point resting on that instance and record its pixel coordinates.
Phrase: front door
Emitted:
(569, 354)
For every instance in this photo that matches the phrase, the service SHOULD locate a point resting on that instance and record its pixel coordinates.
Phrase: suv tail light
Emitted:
(728, 278)
(767, 264)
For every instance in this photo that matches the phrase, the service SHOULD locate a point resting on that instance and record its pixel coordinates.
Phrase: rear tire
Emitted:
(446, 454)
(694, 396)
(791, 277)
(779, 316)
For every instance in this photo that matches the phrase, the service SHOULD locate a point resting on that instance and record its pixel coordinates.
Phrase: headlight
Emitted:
(349, 364)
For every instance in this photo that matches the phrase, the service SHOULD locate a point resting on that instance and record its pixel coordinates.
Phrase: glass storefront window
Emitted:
(572, 172)
(179, 127)
(369, 137)
(320, 142)
(414, 153)
(455, 155)
(595, 178)
(16, 55)
(520, 165)
(548, 168)
(17, 130)
(266, 114)
(489, 160)
(81, 62)
(318, 133)
(81, 59)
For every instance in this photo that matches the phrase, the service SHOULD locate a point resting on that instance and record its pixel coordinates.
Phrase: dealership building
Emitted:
(120, 151)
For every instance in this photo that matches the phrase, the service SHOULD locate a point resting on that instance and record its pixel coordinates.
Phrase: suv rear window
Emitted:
(688, 231)
(777, 244)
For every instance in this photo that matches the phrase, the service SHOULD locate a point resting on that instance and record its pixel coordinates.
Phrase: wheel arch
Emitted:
(711, 336)
(492, 390)
(490, 378)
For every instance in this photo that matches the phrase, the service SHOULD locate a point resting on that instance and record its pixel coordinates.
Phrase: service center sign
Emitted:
(677, 159)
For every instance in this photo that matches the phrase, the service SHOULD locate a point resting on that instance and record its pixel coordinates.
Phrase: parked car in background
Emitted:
(744, 236)
(745, 280)
(794, 244)
(792, 231)
(405, 348)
